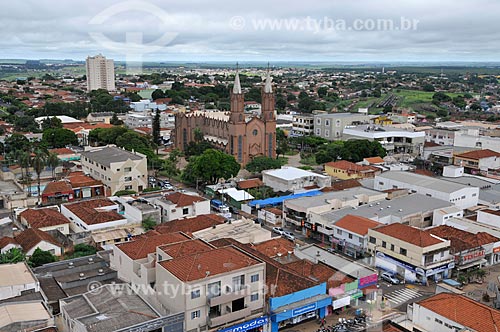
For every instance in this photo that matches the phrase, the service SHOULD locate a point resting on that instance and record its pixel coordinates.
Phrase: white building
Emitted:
(100, 73)
(179, 205)
(331, 125)
(302, 125)
(351, 232)
(138, 120)
(489, 217)
(145, 105)
(294, 179)
(118, 169)
(440, 216)
(16, 279)
(460, 195)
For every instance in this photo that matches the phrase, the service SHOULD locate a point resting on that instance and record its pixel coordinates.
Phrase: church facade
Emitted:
(232, 132)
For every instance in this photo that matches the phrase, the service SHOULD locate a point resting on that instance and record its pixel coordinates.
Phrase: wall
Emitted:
(46, 246)
(420, 319)
(488, 218)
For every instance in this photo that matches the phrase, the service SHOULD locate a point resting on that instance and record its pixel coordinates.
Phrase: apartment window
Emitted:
(195, 294)
(327, 122)
(318, 121)
(195, 314)
(238, 282)
(463, 197)
(185, 211)
(402, 251)
(474, 195)
(339, 231)
(327, 133)
(318, 131)
(337, 123)
(438, 321)
(127, 169)
(372, 240)
(392, 247)
(254, 297)
(128, 178)
(384, 244)
(381, 183)
(213, 289)
(129, 187)
(350, 236)
(360, 240)
(254, 278)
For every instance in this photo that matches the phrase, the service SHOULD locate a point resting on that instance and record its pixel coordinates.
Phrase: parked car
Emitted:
(289, 236)
(390, 278)
(278, 230)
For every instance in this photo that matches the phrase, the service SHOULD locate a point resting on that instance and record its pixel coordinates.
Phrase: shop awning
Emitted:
(466, 266)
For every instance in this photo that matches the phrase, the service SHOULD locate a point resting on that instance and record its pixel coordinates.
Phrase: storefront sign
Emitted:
(345, 301)
(472, 256)
(304, 309)
(439, 269)
(496, 250)
(393, 260)
(251, 324)
(368, 280)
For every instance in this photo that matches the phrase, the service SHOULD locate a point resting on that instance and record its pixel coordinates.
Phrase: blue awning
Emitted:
(280, 199)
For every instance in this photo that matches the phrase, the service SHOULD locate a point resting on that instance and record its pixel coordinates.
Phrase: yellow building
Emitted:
(345, 170)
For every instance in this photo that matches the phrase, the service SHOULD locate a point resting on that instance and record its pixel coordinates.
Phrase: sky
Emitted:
(257, 30)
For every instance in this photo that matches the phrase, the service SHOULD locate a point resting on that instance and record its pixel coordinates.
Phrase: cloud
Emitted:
(271, 30)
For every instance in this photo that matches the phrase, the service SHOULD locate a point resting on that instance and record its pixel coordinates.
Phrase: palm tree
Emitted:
(38, 162)
(52, 162)
(24, 162)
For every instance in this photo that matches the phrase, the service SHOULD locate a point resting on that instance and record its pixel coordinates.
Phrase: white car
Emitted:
(389, 278)
(278, 230)
(289, 236)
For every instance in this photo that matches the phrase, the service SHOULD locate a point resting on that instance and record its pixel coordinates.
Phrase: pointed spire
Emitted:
(237, 85)
(268, 87)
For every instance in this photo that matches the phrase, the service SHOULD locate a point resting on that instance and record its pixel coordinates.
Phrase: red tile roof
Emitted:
(462, 240)
(88, 211)
(214, 262)
(186, 248)
(374, 160)
(57, 187)
(351, 167)
(356, 224)
(62, 151)
(41, 218)
(464, 311)
(79, 180)
(272, 247)
(141, 246)
(6, 240)
(409, 234)
(275, 211)
(250, 183)
(320, 272)
(342, 185)
(190, 225)
(182, 200)
(31, 237)
(478, 154)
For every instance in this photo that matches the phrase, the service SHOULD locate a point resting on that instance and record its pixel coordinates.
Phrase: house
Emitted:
(85, 186)
(462, 196)
(46, 219)
(351, 234)
(16, 279)
(7, 243)
(414, 254)
(479, 161)
(103, 117)
(33, 238)
(180, 205)
(293, 179)
(57, 192)
(224, 287)
(29, 315)
(271, 215)
(249, 184)
(346, 170)
(489, 217)
(118, 169)
(454, 312)
(373, 161)
(190, 225)
(236, 197)
(65, 154)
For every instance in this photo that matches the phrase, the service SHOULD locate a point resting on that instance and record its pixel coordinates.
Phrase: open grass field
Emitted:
(411, 98)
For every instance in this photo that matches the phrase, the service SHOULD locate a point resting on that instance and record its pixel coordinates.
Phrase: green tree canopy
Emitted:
(59, 137)
(14, 255)
(210, 167)
(41, 257)
(261, 163)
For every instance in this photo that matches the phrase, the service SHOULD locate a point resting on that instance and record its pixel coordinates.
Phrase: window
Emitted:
(381, 183)
(327, 122)
(337, 123)
(185, 211)
(327, 133)
(254, 297)
(474, 195)
(213, 289)
(339, 231)
(438, 321)
(372, 240)
(195, 314)
(128, 178)
(129, 187)
(238, 283)
(384, 244)
(463, 197)
(254, 278)
(402, 251)
(255, 132)
(392, 247)
(318, 121)
(360, 240)
(350, 235)
(195, 294)
(318, 132)
(240, 148)
(127, 169)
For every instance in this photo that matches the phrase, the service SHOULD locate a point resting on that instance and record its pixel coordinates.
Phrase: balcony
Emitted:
(226, 297)
(229, 317)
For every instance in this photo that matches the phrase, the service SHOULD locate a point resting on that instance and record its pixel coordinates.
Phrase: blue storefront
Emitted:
(299, 306)
(255, 324)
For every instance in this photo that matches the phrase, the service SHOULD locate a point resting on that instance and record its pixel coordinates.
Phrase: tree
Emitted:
(261, 163)
(82, 250)
(16, 142)
(125, 192)
(440, 97)
(38, 162)
(14, 255)
(51, 123)
(211, 166)
(322, 91)
(156, 128)
(428, 88)
(169, 168)
(459, 102)
(157, 94)
(115, 121)
(148, 223)
(41, 257)
(53, 161)
(59, 137)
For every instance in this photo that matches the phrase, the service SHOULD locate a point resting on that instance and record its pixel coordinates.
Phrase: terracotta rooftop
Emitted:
(57, 187)
(6, 240)
(62, 151)
(462, 240)
(356, 224)
(352, 167)
(464, 311)
(320, 273)
(141, 246)
(478, 154)
(181, 199)
(190, 225)
(275, 211)
(41, 218)
(409, 234)
(374, 160)
(79, 180)
(31, 237)
(272, 247)
(214, 262)
(186, 248)
(88, 211)
(250, 183)
(342, 185)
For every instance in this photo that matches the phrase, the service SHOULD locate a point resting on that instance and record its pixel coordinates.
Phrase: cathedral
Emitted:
(232, 132)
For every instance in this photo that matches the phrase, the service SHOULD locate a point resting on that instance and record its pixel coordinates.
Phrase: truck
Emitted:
(220, 207)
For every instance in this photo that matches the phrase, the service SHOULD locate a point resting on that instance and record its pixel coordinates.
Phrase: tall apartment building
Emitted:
(117, 169)
(331, 125)
(100, 73)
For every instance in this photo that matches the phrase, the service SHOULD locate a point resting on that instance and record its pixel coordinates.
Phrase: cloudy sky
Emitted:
(257, 30)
